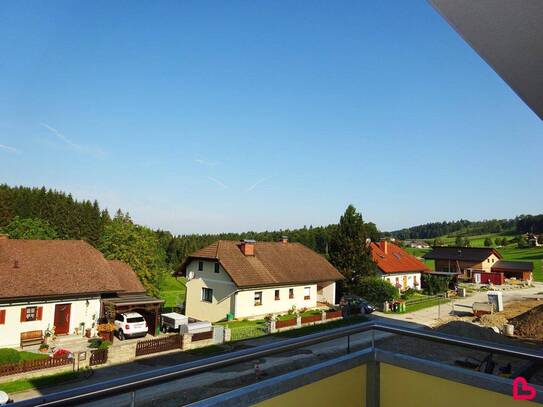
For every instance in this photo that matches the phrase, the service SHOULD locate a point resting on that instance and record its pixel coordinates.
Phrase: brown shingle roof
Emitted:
(501, 265)
(461, 253)
(41, 268)
(128, 279)
(274, 263)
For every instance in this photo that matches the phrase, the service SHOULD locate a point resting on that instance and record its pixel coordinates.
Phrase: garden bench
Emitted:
(31, 338)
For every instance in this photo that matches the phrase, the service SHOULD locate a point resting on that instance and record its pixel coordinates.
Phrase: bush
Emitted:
(409, 293)
(433, 285)
(488, 242)
(376, 290)
(8, 355)
(104, 345)
(95, 343)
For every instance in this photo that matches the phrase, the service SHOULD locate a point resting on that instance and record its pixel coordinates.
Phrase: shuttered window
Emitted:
(2, 316)
(31, 314)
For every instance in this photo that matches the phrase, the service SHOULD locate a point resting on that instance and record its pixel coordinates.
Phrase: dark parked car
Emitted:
(353, 304)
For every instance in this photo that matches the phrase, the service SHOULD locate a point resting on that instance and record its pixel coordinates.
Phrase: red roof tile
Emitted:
(395, 260)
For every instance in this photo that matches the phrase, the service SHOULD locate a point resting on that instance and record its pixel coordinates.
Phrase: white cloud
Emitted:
(257, 183)
(205, 162)
(221, 184)
(76, 147)
(9, 149)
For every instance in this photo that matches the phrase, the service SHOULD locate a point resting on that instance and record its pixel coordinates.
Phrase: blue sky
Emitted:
(229, 116)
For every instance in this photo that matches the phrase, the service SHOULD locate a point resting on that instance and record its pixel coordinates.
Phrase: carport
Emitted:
(148, 307)
(521, 270)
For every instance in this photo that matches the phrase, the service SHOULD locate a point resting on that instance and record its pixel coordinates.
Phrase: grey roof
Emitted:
(508, 35)
(461, 253)
(514, 265)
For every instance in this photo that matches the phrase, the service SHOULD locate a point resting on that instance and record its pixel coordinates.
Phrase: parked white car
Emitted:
(130, 325)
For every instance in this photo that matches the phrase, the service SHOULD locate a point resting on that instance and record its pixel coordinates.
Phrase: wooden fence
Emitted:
(284, 323)
(311, 318)
(31, 365)
(159, 345)
(98, 357)
(202, 336)
(333, 314)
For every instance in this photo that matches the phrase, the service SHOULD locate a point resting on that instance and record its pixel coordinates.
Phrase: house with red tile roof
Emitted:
(398, 267)
(61, 284)
(250, 279)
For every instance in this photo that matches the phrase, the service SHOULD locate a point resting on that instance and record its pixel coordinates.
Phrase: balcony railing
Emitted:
(372, 355)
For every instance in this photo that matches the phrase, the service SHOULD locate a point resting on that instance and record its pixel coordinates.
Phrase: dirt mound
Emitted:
(529, 324)
(490, 320)
(469, 330)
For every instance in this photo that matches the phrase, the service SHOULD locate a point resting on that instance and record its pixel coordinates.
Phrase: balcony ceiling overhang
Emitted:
(508, 35)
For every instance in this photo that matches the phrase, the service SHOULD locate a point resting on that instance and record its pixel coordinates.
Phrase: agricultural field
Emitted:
(509, 252)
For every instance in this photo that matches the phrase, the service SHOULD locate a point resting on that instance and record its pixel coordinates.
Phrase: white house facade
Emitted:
(250, 280)
(70, 316)
(398, 267)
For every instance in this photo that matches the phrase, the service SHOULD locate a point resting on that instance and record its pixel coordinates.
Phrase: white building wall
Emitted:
(245, 305)
(399, 277)
(329, 292)
(223, 289)
(81, 311)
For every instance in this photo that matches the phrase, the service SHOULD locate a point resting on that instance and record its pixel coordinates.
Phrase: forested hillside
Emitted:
(520, 224)
(38, 213)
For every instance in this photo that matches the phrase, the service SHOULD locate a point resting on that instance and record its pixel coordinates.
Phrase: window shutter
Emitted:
(39, 313)
(23, 314)
(2, 317)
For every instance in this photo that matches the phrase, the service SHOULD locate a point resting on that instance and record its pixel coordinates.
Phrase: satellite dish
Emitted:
(190, 276)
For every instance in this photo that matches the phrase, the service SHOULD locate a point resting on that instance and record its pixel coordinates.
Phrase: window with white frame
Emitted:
(307, 293)
(207, 294)
(258, 298)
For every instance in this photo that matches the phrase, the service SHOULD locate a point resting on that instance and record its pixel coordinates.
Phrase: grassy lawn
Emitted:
(426, 304)
(36, 383)
(23, 355)
(172, 291)
(242, 323)
(309, 329)
(32, 356)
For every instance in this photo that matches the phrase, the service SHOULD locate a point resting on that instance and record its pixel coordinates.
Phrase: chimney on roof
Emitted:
(247, 247)
(384, 246)
(284, 239)
(15, 264)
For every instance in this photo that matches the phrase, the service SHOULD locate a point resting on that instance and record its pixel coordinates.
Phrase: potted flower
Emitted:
(44, 348)
(105, 331)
